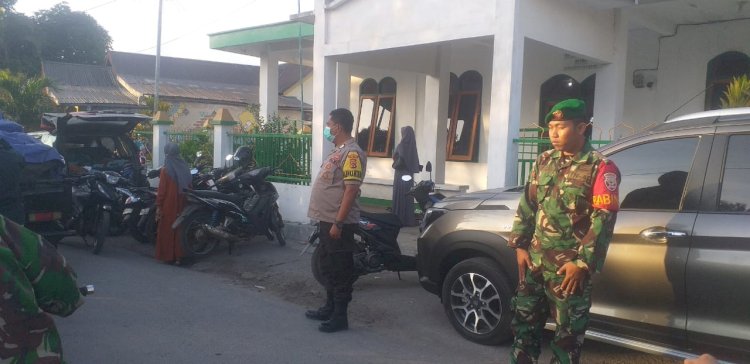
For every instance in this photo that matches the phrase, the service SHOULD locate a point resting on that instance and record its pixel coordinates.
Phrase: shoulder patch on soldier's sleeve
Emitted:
(352, 167)
(605, 192)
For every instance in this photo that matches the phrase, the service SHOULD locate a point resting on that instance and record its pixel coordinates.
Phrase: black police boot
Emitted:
(324, 312)
(338, 321)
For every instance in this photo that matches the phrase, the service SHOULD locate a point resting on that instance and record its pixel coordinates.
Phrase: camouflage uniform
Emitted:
(567, 214)
(33, 278)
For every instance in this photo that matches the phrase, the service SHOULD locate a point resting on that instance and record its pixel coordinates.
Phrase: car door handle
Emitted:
(660, 234)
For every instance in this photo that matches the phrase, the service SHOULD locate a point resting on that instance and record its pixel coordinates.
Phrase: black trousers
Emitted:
(337, 261)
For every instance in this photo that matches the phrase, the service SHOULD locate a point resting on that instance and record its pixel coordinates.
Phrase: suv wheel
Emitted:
(476, 298)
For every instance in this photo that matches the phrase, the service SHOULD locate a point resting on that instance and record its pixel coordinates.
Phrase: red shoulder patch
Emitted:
(605, 192)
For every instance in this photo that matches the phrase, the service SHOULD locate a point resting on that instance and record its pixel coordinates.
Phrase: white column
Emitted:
(268, 89)
(433, 132)
(343, 85)
(324, 84)
(609, 95)
(505, 106)
(223, 124)
(161, 125)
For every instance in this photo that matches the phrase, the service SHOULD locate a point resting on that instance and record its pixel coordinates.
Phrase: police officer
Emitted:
(561, 232)
(34, 280)
(334, 204)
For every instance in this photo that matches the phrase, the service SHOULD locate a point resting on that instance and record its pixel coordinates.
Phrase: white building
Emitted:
(469, 75)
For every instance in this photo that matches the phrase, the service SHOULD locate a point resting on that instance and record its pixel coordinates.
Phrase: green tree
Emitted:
(24, 99)
(71, 36)
(19, 50)
(148, 105)
(737, 93)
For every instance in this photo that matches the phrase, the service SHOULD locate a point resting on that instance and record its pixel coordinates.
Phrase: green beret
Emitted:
(570, 109)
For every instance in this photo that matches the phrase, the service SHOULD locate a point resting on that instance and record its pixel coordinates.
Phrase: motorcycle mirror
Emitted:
(194, 171)
(428, 167)
(229, 157)
(406, 178)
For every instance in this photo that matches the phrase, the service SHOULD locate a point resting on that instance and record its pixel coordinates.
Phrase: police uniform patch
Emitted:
(352, 167)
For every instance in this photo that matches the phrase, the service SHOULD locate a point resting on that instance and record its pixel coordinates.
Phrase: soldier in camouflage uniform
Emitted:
(34, 279)
(561, 233)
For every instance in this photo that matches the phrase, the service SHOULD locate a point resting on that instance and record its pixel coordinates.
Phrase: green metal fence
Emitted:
(531, 142)
(290, 154)
(200, 136)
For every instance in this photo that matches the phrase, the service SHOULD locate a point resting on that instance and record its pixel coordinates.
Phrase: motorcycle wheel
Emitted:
(101, 232)
(278, 227)
(194, 240)
(136, 233)
(149, 231)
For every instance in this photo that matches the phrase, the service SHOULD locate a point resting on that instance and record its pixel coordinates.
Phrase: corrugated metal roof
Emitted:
(201, 80)
(76, 84)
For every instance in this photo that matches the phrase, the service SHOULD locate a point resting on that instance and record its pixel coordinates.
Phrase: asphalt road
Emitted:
(248, 308)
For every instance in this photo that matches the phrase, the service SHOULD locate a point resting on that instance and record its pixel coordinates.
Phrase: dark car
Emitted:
(98, 140)
(677, 272)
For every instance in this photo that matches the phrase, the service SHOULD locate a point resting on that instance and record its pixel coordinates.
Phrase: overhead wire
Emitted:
(195, 30)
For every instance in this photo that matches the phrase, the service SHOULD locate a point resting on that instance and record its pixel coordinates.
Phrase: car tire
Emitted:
(476, 298)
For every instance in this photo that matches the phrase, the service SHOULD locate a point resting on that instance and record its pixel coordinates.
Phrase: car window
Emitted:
(735, 186)
(654, 173)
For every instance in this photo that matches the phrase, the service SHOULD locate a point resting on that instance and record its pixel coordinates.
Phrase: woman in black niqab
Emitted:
(403, 204)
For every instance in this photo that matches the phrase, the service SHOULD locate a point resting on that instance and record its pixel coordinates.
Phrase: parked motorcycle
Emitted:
(424, 191)
(245, 206)
(376, 244)
(139, 210)
(94, 196)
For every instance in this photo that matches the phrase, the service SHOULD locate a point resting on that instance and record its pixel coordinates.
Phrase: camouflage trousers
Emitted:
(535, 300)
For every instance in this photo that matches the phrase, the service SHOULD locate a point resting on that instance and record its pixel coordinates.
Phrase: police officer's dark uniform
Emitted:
(345, 165)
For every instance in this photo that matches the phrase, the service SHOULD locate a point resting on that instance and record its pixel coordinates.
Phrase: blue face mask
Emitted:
(327, 134)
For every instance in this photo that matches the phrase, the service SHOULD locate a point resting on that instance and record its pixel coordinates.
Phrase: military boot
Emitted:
(324, 312)
(338, 321)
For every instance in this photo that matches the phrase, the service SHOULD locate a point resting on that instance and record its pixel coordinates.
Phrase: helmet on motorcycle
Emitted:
(243, 156)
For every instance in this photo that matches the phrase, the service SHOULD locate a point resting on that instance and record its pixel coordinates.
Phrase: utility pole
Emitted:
(158, 59)
(301, 81)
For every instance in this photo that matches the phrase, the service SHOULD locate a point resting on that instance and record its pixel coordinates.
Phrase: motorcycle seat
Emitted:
(234, 198)
(384, 218)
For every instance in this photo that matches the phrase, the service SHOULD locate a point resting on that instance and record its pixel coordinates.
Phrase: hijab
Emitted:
(176, 167)
(407, 149)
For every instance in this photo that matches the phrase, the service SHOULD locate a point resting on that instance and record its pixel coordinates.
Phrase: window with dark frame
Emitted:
(719, 73)
(464, 110)
(377, 109)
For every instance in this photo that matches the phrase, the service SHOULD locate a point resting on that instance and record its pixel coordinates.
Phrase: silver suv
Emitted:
(676, 279)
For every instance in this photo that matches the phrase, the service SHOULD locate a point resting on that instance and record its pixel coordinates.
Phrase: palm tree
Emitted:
(737, 93)
(24, 98)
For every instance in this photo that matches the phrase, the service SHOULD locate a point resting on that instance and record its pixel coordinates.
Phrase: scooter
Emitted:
(249, 209)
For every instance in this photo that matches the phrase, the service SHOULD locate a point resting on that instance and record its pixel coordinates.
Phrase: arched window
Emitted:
(554, 90)
(464, 111)
(719, 72)
(377, 110)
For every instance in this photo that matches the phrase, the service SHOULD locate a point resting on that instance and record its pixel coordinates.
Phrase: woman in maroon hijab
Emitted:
(170, 200)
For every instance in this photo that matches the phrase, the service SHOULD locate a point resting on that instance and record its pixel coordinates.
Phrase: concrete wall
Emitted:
(681, 74)
(307, 86)
(293, 202)
(390, 24)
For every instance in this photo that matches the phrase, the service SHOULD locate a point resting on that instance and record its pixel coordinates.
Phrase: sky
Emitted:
(132, 24)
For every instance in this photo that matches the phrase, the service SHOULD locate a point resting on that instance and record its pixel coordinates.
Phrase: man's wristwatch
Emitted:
(339, 224)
